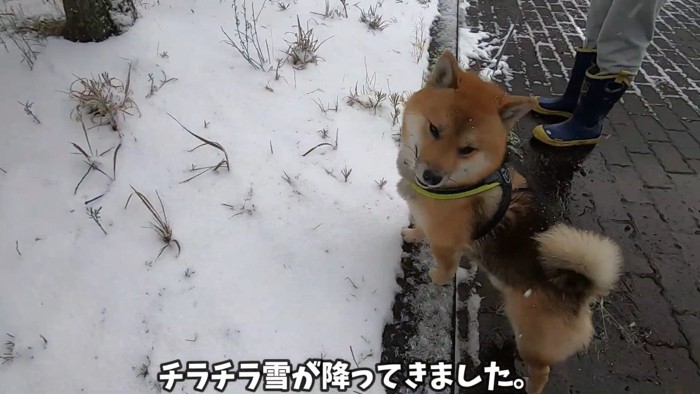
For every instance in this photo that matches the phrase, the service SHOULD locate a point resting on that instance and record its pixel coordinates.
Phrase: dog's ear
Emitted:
(515, 107)
(445, 72)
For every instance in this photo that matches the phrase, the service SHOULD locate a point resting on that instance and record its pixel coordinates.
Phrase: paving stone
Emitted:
(695, 165)
(680, 213)
(651, 95)
(629, 185)
(690, 325)
(634, 142)
(650, 128)
(652, 235)
(614, 151)
(634, 104)
(653, 316)
(669, 119)
(622, 232)
(681, 109)
(677, 373)
(650, 170)
(680, 281)
(670, 158)
(685, 143)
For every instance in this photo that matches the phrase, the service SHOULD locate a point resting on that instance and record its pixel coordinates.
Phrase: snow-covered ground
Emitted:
(289, 254)
(308, 270)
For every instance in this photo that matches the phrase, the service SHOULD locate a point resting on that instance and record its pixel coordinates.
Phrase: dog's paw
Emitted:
(440, 277)
(412, 235)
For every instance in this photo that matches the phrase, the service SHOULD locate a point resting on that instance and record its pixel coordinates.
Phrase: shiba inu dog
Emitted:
(465, 202)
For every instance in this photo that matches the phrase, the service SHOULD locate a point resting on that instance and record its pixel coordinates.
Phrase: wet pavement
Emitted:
(640, 185)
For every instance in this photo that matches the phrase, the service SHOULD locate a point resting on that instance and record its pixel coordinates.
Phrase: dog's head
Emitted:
(455, 129)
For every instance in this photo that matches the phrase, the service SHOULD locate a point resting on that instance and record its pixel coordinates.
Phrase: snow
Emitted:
(446, 25)
(309, 270)
(473, 303)
(434, 305)
(469, 44)
(480, 46)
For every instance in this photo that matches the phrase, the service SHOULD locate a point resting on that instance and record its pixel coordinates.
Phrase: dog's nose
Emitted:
(431, 177)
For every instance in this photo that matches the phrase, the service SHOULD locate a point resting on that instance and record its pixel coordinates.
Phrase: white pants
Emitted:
(621, 30)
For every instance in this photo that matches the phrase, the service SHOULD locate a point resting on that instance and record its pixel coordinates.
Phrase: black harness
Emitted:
(503, 178)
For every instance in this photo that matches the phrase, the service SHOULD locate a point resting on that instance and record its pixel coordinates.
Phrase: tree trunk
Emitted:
(91, 20)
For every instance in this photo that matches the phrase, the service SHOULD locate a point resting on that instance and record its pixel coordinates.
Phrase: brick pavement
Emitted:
(640, 186)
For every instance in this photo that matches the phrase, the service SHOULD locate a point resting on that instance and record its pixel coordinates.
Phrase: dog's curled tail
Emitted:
(593, 256)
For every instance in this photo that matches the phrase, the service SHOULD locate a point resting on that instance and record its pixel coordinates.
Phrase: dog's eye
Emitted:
(434, 131)
(466, 150)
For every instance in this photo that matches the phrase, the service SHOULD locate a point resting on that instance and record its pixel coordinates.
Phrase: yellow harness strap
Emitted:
(456, 195)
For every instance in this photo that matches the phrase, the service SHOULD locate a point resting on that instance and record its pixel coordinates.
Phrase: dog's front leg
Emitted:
(412, 235)
(538, 377)
(447, 258)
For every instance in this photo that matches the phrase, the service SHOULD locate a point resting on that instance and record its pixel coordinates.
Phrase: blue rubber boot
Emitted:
(564, 106)
(599, 93)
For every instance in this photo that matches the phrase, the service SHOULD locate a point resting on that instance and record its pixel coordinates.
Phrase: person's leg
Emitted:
(565, 104)
(626, 34)
(597, 14)
(598, 96)
(622, 42)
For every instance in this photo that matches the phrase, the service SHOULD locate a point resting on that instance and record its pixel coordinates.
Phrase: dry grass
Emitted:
(224, 163)
(303, 49)
(419, 40)
(325, 108)
(247, 207)
(247, 41)
(142, 371)
(156, 87)
(324, 135)
(42, 26)
(28, 33)
(329, 13)
(629, 332)
(28, 110)
(94, 214)
(372, 18)
(344, 3)
(160, 223)
(346, 173)
(93, 158)
(27, 46)
(104, 98)
(367, 97)
(397, 101)
(9, 354)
